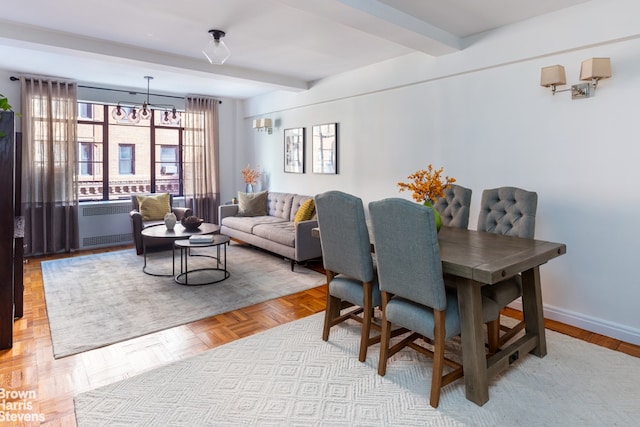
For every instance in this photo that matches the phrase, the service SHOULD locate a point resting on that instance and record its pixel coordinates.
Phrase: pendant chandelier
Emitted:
(143, 112)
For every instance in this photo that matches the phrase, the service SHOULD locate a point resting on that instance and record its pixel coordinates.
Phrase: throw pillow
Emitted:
(305, 211)
(154, 207)
(252, 204)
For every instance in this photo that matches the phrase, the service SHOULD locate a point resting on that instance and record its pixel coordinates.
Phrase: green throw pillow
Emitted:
(154, 207)
(252, 204)
(305, 211)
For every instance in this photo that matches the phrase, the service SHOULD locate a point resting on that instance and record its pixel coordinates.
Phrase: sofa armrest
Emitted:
(181, 212)
(307, 246)
(225, 211)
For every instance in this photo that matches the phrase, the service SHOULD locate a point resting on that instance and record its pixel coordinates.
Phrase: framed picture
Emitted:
(325, 148)
(294, 150)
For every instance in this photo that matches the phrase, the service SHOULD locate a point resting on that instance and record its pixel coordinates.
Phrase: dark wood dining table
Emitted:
(475, 259)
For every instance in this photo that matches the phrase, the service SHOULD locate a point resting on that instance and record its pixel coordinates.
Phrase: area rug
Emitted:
(287, 376)
(97, 300)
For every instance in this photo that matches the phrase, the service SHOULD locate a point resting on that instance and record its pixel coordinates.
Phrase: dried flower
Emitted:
(250, 175)
(427, 184)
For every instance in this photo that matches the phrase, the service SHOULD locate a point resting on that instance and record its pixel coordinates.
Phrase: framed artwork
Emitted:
(325, 148)
(294, 150)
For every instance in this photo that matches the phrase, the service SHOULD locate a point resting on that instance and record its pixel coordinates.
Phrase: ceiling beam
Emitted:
(388, 23)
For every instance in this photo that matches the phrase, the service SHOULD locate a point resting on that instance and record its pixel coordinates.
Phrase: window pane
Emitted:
(90, 161)
(135, 175)
(167, 160)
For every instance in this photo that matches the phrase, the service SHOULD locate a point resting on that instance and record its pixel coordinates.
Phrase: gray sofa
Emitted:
(275, 232)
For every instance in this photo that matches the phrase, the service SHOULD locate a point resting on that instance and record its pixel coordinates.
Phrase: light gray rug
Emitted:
(97, 300)
(288, 376)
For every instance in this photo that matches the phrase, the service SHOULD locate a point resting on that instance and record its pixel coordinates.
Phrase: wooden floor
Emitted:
(51, 384)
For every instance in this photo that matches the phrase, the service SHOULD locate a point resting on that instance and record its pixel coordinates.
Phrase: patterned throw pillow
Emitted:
(306, 210)
(252, 204)
(154, 207)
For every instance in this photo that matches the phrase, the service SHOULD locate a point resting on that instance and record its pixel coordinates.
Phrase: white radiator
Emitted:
(103, 224)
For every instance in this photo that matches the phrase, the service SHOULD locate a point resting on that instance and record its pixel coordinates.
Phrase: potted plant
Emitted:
(4, 106)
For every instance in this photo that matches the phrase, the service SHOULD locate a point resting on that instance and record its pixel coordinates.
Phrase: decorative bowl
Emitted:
(190, 223)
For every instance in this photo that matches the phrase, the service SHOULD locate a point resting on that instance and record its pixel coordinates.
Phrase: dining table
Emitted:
(474, 259)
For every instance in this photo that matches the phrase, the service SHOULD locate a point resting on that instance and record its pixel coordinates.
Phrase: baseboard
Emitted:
(592, 324)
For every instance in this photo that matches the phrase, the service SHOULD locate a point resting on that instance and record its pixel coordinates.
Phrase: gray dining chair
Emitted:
(509, 211)
(346, 253)
(413, 290)
(454, 206)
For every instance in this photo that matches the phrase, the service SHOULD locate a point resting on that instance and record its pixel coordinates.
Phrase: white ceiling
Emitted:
(275, 44)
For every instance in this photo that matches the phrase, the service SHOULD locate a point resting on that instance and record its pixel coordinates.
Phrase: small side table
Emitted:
(185, 247)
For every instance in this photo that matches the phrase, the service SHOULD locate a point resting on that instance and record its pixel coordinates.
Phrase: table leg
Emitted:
(472, 335)
(532, 309)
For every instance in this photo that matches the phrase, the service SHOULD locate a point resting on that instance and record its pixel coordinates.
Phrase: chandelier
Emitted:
(143, 112)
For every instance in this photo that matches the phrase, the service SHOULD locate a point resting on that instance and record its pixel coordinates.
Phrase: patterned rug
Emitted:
(288, 376)
(97, 300)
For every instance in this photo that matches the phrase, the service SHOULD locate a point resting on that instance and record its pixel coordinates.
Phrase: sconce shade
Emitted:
(256, 123)
(595, 69)
(266, 123)
(553, 76)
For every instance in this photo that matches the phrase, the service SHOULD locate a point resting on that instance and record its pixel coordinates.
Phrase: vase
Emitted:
(249, 188)
(170, 220)
(436, 215)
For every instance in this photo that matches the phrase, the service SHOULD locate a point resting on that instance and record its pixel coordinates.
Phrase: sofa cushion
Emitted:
(252, 204)
(154, 207)
(279, 205)
(282, 232)
(247, 224)
(306, 210)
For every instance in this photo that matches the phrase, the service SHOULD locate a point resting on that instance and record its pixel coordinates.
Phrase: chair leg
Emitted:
(438, 358)
(493, 335)
(385, 335)
(332, 308)
(367, 313)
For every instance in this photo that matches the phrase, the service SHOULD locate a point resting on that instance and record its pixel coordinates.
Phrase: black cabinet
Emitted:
(11, 250)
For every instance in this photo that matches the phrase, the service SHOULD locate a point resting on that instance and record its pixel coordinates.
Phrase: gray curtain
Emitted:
(49, 151)
(201, 160)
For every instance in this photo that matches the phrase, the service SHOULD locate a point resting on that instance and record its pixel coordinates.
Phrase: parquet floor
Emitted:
(51, 384)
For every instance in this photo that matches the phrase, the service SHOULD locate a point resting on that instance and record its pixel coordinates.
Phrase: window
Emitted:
(118, 158)
(85, 158)
(126, 159)
(85, 111)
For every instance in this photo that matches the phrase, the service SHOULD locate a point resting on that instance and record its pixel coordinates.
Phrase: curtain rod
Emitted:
(15, 79)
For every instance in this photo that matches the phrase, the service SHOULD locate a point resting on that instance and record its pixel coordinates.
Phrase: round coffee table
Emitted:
(211, 277)
(179, 232)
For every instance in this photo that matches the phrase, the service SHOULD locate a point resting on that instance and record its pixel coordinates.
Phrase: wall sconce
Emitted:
(263, 125)
(592, 70)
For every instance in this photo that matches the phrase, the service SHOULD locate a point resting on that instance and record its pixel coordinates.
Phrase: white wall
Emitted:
(482, 115)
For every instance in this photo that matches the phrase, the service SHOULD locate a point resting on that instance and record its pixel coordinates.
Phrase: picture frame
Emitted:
(294, 154)
(325, 148)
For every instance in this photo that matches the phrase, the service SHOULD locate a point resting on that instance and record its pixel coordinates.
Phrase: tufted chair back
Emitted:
(508, 210)
(454, 206)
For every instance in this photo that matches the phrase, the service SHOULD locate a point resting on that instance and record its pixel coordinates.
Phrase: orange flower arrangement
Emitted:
(427, 184)
(250, 175)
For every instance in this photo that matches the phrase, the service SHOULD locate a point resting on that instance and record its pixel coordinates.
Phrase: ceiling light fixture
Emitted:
(137, 113)
(216, 51)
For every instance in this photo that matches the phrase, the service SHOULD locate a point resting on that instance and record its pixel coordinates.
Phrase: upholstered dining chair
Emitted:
(454, 206)
(414, 295)
(510, 211)
(346, 253)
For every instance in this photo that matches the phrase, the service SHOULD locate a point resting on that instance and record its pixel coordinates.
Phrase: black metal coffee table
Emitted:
(215, 274)
(178, 233)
